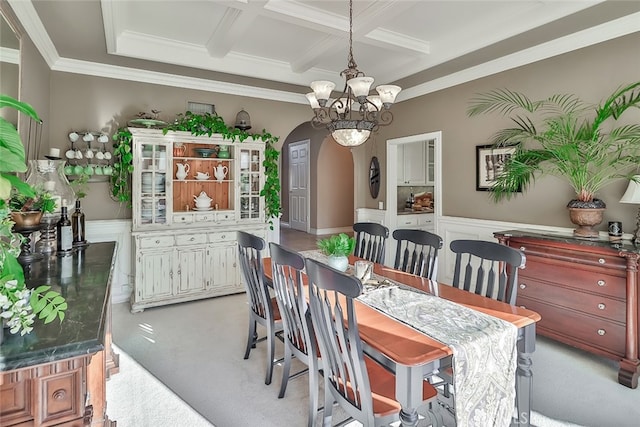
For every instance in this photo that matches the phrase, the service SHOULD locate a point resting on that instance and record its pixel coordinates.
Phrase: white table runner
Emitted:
(484, 350)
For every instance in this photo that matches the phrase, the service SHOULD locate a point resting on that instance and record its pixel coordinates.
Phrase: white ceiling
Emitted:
(299, 41)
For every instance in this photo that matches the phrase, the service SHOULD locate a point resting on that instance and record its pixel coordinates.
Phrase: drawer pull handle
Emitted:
(157, 242)
(601, 283)
(523, 306)
(522, 248)
(601, 306)
(59, 394)
(192, 239)
(601, 261)
(522, 286)
(601, 332)
(223, 236)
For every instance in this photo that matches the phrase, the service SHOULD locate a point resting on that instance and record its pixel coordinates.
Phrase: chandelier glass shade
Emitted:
(354, 114)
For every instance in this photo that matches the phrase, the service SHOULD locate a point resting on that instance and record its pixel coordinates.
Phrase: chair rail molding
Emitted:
(453, 228)
(118, 230)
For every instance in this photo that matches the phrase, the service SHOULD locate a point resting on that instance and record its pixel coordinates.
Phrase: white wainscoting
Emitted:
(117, 230)
(453, 228)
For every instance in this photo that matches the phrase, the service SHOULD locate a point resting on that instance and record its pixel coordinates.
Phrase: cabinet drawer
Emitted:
(407, 221)
(191, 239)
(425, 219)
(183, 219)
(574, 276)
(593, 331)
(225, 216)
(61, 397)
(156, 242)
(227, 236)
(205, 217)
(602, 259)
(596, 305)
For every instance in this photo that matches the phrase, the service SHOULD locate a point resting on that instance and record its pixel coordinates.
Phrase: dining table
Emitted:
(414, 356)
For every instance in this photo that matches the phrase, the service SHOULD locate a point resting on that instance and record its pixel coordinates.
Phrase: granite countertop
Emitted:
(84, 279)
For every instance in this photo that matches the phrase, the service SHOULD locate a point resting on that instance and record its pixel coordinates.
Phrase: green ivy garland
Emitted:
(200, 124)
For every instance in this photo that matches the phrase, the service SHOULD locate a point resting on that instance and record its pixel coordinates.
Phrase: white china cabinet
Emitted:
(189, 199)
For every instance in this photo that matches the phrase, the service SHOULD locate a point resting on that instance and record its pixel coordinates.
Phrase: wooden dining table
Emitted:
(413, 356)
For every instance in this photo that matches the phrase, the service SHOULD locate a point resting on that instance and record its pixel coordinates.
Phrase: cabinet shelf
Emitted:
(203, 181)
(203, 158)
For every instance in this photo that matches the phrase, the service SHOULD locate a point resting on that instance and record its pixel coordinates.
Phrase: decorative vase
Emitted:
(23, 220)
(340, 263)
(223, 152)
(586, 215)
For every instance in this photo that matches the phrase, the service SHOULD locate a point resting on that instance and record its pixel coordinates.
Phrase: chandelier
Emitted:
(353, 115)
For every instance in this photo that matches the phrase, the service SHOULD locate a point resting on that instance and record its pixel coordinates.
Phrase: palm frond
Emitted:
(503, 101)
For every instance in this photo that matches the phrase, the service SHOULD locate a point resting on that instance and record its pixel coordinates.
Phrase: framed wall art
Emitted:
(490, 162)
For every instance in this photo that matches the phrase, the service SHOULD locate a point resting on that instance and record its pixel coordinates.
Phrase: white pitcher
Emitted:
(220, 172)
(183, 170)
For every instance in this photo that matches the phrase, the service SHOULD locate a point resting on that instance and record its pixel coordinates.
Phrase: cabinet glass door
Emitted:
(250, 201)
(152, 203)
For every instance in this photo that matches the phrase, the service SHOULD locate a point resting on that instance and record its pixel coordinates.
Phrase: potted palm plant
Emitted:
(564, 136)
(338, 248)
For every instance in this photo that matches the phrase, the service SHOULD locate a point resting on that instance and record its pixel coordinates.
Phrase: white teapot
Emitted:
(183, 169)
(220, 172)
(202, 201)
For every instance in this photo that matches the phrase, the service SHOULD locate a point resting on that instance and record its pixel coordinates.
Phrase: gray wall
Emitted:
(592, 73)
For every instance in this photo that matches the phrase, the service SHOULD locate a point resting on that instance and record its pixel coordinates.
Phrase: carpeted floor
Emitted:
(196, 350)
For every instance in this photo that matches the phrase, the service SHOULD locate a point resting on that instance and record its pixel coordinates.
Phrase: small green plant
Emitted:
(40, 201)
(122, 166)
(337, 245)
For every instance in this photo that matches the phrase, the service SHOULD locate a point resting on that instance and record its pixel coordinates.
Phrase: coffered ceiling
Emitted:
(283, 45)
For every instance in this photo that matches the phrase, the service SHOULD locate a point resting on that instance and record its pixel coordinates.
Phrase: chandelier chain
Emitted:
(351, 61)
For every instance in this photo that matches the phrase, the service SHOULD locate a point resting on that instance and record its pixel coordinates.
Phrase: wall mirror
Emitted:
(374, 177)
(9, 67)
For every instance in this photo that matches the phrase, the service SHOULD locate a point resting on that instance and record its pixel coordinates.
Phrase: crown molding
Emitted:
(26, 13)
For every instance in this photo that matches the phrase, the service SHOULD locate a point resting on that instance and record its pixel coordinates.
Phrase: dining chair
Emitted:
(361, 386)
(371, 239)
(263, 309)
(417, 252)
(299, 339)
(487, 268)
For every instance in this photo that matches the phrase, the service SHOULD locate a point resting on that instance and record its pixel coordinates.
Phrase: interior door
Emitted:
(299, 185)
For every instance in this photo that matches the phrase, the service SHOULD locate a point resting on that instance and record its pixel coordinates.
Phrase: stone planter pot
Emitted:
(340, 263)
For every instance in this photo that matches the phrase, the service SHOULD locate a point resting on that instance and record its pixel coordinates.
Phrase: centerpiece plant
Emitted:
(564, 136)
(20, 305)
(338, 248)
(200, 124)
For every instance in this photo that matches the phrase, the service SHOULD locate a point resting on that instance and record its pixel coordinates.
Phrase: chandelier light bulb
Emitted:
(322, 89)
(312, 100)
(388, 94)
(350, 137)
(360, 86)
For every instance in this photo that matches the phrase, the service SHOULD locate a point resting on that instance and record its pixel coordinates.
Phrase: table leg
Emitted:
(409, 393)
(524, 376)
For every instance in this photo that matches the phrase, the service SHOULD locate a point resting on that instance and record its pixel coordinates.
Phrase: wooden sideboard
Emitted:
(56, 375)
(586, 291)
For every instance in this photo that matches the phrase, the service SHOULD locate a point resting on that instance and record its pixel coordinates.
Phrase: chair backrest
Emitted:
(371, 239)
(487, 268)
(249, 254)
(331, 295)
(287, 269)
(417, 252)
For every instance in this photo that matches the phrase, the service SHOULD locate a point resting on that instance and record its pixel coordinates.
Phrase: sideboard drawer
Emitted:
(156, 242)
(191, 239)
(183, 219)
(61, 397)
(570, 275)
(597, 305)
(225, 216)
(603, 258)
(227, 236)
(600, 333)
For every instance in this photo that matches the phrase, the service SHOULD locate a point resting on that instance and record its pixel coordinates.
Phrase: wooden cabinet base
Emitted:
(54, 394)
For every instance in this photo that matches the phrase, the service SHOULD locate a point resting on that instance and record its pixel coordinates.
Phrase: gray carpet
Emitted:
(196, 350)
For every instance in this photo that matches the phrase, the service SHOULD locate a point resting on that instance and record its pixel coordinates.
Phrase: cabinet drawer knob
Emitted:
(522, 248)
(601, 332)
(522, 286)
(59, 394)
(601, 283)
(157, 242)
(601, 306)
(192, 239)
(223, 236)
(601, 261)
